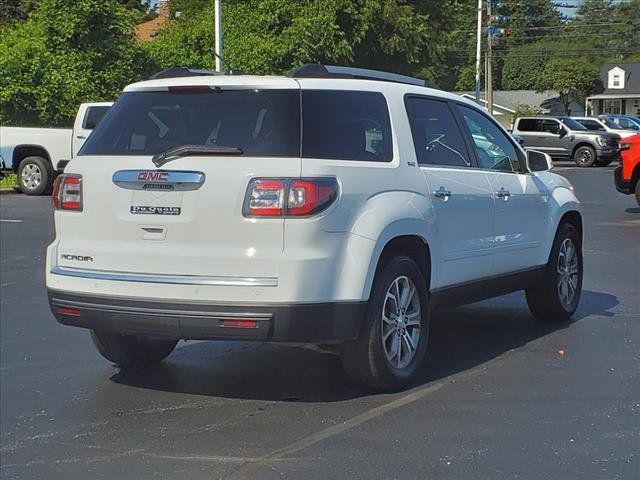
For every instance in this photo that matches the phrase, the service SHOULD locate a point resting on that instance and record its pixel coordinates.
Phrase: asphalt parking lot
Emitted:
(501, 396)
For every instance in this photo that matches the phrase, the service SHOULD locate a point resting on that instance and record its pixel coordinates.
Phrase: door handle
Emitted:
(81, 137)
(442, 193)
(503, 194)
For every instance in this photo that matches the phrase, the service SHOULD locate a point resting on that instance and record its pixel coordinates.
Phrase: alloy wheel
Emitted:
(31, 176)
(567, 273)
(401, 322)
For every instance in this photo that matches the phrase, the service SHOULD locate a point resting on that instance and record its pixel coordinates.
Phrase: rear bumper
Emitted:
(622, 185)
(305, 323)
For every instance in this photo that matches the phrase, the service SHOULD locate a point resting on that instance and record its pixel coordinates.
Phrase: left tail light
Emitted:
(289, 197)
(67, 192)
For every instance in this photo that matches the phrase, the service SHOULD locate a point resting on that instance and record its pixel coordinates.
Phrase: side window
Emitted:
(436, 135)
(551, 126)
(93, 116)
(527, 125)
(494, 149)
(346, 125)
(592, 125)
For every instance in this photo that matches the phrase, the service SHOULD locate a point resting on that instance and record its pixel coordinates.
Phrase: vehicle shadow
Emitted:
(461, 339)
(632, 210)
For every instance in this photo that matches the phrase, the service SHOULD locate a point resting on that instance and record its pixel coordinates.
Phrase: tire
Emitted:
(130, 350)
(547, 302)
(584, 156)
(638, 191)
(369, 359)
(35, 176)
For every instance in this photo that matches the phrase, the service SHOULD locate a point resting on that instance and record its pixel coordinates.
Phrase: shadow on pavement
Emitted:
(632, 210)
(461, 339)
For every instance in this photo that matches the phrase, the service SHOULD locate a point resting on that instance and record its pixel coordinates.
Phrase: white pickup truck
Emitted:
(37, 154)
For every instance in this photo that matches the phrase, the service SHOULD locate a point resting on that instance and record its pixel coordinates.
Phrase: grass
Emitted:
(8, 181)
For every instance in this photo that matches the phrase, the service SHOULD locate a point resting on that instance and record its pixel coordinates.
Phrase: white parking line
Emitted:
(11, 221)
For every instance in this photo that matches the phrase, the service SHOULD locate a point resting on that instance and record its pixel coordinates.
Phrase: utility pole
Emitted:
(218, 35)
(489, 72)
(478, 50)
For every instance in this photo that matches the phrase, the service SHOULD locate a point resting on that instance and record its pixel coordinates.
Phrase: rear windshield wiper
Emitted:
(160, 159)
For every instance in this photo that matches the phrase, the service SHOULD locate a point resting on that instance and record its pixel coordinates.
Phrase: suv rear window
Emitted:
(343, 125)
(260, 122)
(346, 125)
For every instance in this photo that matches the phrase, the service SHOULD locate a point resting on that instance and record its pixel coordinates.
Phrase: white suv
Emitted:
(337, 206)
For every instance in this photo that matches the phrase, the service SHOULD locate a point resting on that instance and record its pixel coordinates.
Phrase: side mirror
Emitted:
(538, 161)
(562, 132)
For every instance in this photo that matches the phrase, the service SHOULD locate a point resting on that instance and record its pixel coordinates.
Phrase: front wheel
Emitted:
(584, 156)
(130, 350)
(556, 299)
(393, 341)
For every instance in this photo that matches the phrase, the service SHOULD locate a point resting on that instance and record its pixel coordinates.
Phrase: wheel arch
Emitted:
(20, 152)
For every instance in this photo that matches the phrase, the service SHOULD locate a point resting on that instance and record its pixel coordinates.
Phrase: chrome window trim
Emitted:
(166, 279)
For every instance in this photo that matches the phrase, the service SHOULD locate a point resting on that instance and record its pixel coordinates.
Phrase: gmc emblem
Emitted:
(152, 176)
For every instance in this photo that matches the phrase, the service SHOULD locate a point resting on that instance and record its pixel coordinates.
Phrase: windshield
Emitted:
(572, 124)
(259, 122)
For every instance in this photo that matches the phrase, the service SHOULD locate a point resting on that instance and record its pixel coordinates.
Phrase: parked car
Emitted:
(329, 208)
(36, 155)
(595, 123)
(627, 174)
(628, 122)
(563, 138)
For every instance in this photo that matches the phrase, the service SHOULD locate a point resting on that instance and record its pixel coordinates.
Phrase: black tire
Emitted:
(35, 176)
(365, 360)
(545, 301)
(638, 192)
(130, 350)
(585, 156)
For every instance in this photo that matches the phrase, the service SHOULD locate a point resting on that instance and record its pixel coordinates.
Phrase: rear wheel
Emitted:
(35, 176)
(556, 299)
(130, 350)
(584, 156)
(393, 340)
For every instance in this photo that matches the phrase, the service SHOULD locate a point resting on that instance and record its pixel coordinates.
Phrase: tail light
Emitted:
(67, 192)
(289, 197)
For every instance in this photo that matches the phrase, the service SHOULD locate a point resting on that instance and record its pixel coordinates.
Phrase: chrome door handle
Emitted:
(81, 137)
(442, 193)
(503, 194)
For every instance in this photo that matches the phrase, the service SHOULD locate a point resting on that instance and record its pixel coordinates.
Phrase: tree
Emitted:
(66, 53)
(573, 79)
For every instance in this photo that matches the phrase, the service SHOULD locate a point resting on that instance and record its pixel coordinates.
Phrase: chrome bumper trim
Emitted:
(166, 279)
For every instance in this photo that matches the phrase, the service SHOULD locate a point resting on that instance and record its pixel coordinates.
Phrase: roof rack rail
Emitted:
(176, 72)
(317, 70)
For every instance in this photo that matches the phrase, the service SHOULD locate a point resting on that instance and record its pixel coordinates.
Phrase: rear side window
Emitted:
(527, 125)
(260, 122)
(93, 116)
(550, 126)
(436, 136)
(591, 124)
(346, 125)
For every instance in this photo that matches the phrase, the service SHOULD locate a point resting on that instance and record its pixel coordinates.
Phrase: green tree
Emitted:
(573, 79)
(66, 53)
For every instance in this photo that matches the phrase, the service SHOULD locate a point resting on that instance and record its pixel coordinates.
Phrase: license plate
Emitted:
(148, 210)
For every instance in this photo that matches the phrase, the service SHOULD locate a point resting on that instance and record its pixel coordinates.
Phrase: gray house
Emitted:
(621, 90)
(505, 103)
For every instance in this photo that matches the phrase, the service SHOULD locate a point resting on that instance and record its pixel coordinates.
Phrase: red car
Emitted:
(627, 175)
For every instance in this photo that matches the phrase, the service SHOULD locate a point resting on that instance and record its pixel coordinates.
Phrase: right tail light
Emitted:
(289, 197)
(67, 192)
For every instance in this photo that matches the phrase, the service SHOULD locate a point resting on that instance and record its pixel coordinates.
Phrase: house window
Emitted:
(616, 80)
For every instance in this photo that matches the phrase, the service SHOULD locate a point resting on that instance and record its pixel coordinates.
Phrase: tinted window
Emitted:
(572, 124)
(260, 122)
(550, 126)
(93, 116)
(627, 124)
(493, 148)
(436, 135)
(346, 125)
(527, 125)
(591, 124)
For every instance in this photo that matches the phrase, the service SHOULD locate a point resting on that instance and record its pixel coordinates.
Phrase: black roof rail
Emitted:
(176, 72)
(317, 70)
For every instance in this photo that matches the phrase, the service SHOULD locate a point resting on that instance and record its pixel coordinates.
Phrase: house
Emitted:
(505, 103)
(621, 90)
(146, 31)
